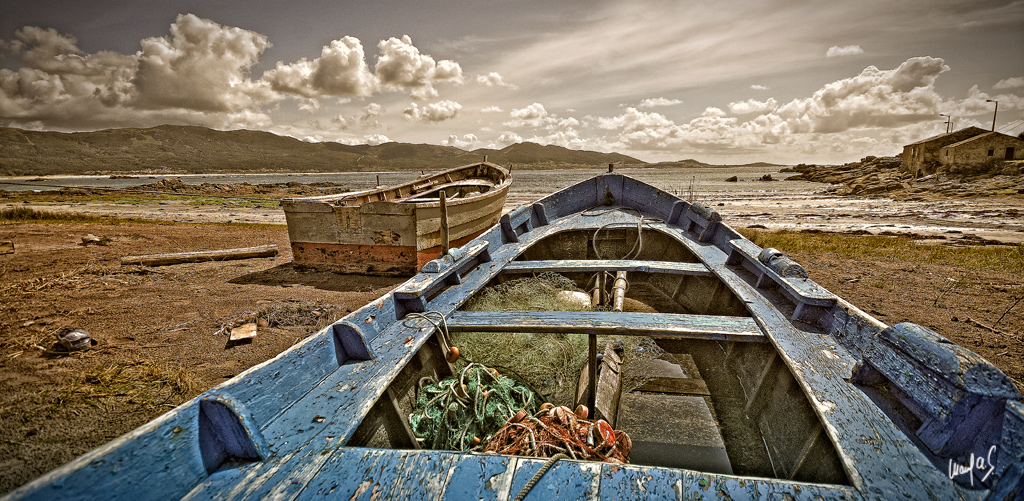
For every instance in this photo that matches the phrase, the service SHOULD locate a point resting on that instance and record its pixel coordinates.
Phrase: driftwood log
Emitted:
(194, 257)
(7, 247)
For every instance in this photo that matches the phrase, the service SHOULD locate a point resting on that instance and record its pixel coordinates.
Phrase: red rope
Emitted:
(557, 430)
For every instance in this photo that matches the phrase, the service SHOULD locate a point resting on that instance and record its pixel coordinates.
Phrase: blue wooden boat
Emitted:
(842, 405)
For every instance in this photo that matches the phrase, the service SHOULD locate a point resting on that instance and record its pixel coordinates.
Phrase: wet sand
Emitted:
(748, 202)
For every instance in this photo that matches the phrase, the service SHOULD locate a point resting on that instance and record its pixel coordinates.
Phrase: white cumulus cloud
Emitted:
(533, 115)
(1009, 83)
(198, 74)
(201, 66)
(844, 50)
(752, 106)
(467, 141)
(402, 66)
(340, 70)
(493, 79)
(655, 102)
(433, 112)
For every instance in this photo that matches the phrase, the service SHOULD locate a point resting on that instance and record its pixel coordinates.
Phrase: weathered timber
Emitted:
(681, 386)
(610, 323)
(6, 247)
(590, 266)
(200, 256)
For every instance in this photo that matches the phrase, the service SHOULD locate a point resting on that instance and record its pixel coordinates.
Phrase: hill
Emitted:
(187, 149)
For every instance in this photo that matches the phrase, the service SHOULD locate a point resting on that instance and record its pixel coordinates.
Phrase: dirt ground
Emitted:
(156, 328)
(159, 339)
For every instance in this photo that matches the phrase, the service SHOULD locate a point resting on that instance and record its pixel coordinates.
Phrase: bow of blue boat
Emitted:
(846, 407)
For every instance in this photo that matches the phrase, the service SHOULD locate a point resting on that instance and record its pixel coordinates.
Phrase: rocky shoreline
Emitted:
(878, 177)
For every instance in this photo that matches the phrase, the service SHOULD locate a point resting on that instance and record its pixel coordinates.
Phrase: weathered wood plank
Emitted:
(658, 325)
(680, 386)
(590, 266)
(200, 256)
(479, 476)
(626, 482)
(567, 479)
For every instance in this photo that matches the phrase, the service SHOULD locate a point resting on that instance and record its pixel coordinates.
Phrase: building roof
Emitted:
(976, 131)
(979, 136)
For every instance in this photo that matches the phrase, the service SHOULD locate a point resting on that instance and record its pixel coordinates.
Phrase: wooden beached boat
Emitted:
(794, 393)
(395, 230)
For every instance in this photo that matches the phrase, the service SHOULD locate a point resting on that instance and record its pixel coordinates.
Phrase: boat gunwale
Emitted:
(506, 181)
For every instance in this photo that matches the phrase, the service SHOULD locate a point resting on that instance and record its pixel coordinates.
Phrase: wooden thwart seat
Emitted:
(656, 325)
(610, 265)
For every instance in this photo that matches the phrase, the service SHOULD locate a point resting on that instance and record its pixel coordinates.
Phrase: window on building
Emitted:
(991, 152)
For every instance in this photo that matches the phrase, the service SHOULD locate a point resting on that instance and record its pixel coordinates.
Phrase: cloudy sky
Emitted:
(722, 82)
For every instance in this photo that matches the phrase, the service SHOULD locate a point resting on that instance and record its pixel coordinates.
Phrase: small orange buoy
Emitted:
(581, 411)
(476, 440)
(453, 354)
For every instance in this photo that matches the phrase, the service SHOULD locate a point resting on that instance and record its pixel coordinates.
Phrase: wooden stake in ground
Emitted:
(194, 257)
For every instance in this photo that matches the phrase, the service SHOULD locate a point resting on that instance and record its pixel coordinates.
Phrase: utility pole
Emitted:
(948, 118)
(993, 112)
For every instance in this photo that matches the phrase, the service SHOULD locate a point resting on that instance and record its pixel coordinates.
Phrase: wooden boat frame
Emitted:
(286, 428)
(395, 230)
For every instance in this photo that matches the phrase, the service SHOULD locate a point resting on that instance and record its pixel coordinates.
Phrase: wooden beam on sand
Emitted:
(7, 247)
(195, 257)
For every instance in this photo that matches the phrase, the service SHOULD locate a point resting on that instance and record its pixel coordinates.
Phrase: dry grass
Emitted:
(151, 383)
(30, 215)
(1007, 259)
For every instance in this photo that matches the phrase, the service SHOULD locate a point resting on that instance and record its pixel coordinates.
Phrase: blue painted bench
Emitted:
(658, 325)
(593, 265)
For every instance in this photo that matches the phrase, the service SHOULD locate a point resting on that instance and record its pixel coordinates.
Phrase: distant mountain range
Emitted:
(185, 149)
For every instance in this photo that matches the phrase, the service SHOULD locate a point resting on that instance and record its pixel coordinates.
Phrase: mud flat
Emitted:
(747, 202)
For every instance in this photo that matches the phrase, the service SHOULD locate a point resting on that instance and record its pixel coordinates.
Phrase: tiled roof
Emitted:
(979, 136)
(939, 136)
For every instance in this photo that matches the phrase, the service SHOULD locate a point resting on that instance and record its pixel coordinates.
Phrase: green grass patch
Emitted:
(30, 215)
(998, 258)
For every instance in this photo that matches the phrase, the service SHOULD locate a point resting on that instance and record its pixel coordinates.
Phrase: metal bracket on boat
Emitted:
(228, 435)
(412, 296)
(351, 341)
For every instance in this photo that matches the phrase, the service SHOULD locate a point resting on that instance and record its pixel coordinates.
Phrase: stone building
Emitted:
(982, 148)
(922, 157)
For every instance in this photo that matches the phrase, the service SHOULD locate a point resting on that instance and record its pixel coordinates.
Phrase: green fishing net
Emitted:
(475, 403)
(549, 363)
